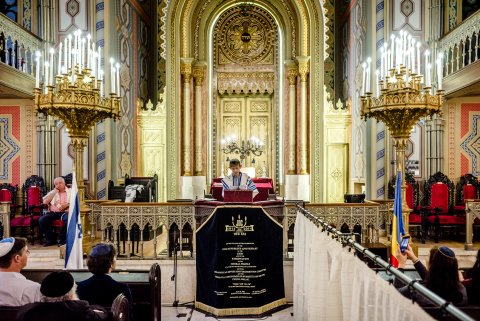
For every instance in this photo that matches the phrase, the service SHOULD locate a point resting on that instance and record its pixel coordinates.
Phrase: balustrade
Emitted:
(461, 47)
(17, 46)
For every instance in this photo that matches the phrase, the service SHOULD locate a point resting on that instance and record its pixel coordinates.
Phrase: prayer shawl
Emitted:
(242, 181)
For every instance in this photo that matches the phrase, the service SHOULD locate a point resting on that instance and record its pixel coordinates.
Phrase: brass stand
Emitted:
(400, 105)
(79, 106)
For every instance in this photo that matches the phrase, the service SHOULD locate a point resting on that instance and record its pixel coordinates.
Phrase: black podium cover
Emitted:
(239, 262)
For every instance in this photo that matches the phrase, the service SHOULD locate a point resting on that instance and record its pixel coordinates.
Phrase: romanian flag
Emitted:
(74, 252)
(398, 229)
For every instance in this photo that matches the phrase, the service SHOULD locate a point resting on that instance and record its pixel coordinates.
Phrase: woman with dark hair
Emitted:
(472, 282)
(441, 278)
(101, 289)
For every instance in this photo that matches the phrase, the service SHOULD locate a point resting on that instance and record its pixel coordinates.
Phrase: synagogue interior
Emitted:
(353, 127)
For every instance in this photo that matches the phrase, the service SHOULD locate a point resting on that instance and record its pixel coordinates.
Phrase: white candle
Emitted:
(100, 76)
(392, 49)
(412, 58)
(69, 51)
(89, 37)
(440, 70)
(52, 51)
(382, 57)
(117, 85)
(369, 61)
(377, 77)
(82, 54)
(364, 67)
(112, 76)
(65, 55)
(37, 69)
(46, 69)
(418, 57)
(427, 75)
(59, 68)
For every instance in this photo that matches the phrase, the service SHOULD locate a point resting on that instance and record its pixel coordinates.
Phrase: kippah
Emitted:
(446, 251)
(57, 284)
(6, 245)
(101, 250)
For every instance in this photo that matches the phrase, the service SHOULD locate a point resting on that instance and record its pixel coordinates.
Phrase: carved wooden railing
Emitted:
(461, 46)
(112, 217)
(20, 46)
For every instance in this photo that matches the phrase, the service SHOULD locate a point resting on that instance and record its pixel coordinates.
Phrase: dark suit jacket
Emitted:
(60, 311)
(102, 290)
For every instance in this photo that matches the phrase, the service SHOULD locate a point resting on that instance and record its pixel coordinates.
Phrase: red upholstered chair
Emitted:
(8, 193)
(439, 197)
(467, 187)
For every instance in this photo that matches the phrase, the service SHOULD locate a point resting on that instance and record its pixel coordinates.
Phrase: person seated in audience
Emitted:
(101, 289)
(442, 278)
(237, 179)
(472, 282)
(58, 200)
(59, 301)
(417, 264)
(15, 289)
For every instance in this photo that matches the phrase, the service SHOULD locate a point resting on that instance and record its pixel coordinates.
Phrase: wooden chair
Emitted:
(439, 200)
(467, 187)
(120, 310)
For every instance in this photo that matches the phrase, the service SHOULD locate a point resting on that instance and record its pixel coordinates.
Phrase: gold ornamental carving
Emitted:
(246, 82)
(186, 69)
(303, 67)
(247, 35)
(198, 74)
(292, 73)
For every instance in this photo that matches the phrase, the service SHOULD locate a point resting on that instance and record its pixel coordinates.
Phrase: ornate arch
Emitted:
(186, 24)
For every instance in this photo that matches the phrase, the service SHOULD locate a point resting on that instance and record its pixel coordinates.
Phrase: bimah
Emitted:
(239, 262)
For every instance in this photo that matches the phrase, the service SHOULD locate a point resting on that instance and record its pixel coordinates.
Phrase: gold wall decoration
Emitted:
(245, 82)
(246, 35)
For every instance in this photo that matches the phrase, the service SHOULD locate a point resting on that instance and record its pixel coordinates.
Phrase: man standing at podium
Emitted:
(237, 179)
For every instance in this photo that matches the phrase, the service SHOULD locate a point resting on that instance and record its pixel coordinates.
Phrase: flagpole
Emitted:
(400, 143)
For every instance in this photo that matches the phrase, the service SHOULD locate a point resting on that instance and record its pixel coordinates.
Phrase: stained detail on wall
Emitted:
(8, 147)
(471, 145)
(247, 35)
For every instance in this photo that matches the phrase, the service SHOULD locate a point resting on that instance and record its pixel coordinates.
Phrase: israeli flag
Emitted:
(74, 252)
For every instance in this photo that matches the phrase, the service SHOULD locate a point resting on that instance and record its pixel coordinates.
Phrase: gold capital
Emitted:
(303, 67)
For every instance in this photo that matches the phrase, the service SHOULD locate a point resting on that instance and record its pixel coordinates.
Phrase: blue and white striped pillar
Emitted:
(100, 127)
(380, 132)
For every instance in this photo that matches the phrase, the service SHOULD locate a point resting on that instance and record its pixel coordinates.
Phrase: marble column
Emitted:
(303, 68)
(198, 75)
(186, 71)
(199, 180)
(292, 72)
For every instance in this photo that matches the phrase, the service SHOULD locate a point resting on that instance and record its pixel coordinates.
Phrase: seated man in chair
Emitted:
(58, 200)
(237, 179)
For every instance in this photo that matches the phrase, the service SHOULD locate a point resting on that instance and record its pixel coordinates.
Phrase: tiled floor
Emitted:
(186, 312)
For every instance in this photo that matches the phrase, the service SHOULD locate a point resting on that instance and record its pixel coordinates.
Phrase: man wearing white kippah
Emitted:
(15, 289)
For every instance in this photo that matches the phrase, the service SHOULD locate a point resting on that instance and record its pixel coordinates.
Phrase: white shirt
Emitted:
(16, 290)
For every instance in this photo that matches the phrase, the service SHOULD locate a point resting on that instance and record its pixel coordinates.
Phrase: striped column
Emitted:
(380, 132)
(100, 127)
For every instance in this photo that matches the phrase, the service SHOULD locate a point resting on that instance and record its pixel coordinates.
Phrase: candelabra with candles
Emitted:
(76, 95)
(403, 95)
(252, 146)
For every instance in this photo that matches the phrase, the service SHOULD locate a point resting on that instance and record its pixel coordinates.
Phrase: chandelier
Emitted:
(253, 146)
(403, 95)
(73, 90)
(73, 84)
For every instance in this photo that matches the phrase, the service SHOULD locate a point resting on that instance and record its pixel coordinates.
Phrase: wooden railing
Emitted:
(460, 49)
(128, 224)
(20, 46)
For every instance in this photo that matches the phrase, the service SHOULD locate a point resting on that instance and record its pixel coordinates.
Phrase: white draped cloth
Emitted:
(131, 192)
(330, 283)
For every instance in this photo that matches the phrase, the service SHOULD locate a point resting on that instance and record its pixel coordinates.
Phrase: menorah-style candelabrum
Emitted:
(403, 95)
(75, 94)
(252, 146)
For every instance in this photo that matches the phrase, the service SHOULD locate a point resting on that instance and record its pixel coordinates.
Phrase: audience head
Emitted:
(102, 259)
(442, 275)
(59, 183)
(58, 286)
(13, 254)
(235, 166)
(432, 252)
